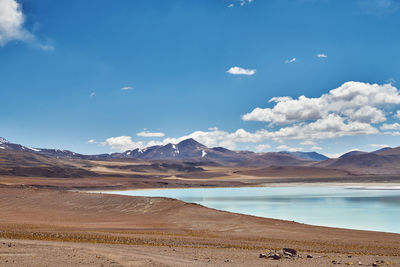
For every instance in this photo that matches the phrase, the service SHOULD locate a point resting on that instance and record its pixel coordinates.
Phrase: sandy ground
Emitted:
(41, 227)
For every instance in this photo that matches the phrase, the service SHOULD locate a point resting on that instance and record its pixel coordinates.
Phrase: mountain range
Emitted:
(382, 161)
(188, 149)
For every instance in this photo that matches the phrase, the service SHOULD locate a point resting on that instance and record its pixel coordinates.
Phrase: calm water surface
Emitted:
(354, 208)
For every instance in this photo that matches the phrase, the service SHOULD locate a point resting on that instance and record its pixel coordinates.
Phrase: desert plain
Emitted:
(64, 221)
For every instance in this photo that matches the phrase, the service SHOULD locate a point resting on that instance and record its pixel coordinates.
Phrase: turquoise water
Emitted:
(353, 208)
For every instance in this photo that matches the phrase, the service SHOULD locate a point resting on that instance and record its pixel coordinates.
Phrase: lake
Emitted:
(361, 208)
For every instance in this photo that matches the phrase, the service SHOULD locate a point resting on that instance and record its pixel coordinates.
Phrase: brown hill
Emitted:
(391, 151)
(296, 172)
(369, 163)
(23, 163)
(274, 159)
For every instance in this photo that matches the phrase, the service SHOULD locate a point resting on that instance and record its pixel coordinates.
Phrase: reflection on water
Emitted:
(355, 208)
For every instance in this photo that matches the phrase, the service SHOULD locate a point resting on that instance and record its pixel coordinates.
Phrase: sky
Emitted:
(262, 75)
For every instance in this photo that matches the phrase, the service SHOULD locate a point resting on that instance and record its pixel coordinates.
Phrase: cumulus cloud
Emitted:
(394, 126)
(12, 26)
(292, 60)
(366, 114)
(331, 127)
(322, 56)
(150, 134)
(352, 109)
(126, 88)
(355, 101)
(241, 71)
(397, 115)
(91, 141)
(122, 143)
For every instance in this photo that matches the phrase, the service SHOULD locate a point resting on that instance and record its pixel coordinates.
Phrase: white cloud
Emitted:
(12, 26)
(366, 114)
(330, 127)
(397, 115)
(307, 143)
(379, 145)
(262, 147)
(355, 101)
(352, 109)
(394, 126)
(288, 61)
(241, 71)
(290, 149)
(11, 23)
(91, 141)
(150, 134)
(322, 56)
(231, 5)
(392, 133)
(316, 148)
(243, 2)
(122, 143)
(127, 88)
(333, 155)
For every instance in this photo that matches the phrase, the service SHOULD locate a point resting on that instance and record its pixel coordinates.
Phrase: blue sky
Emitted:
(200, 69)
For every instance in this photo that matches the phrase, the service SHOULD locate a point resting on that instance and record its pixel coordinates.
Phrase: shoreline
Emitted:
(294, 184)
(349, 186)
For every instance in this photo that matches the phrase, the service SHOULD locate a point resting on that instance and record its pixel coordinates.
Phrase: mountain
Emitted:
(273, 159)
(55, 153)
(379, 151)
(352, 153)
(388, 151)
(186, 150)
(5, 144)
(306, 155)
(29, 163)
(386, 162)
(190, 149)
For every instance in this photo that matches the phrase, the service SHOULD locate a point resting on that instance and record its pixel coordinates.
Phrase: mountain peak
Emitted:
(190, 142)
(3, 141)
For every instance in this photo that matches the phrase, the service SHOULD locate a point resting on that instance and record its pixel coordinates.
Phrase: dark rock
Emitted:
(262, 256)
(275, 256)
(291, 251)
(287, 253)
(309, 256)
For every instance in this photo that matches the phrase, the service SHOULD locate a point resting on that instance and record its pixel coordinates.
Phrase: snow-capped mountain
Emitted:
(188, 149)
(3, 141)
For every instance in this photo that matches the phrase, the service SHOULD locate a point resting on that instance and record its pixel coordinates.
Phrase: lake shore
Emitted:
(104, 227)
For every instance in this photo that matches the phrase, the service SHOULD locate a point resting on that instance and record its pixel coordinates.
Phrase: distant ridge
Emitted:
(382, 161)
(352, 153)
(307, 155)
(188, 150)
